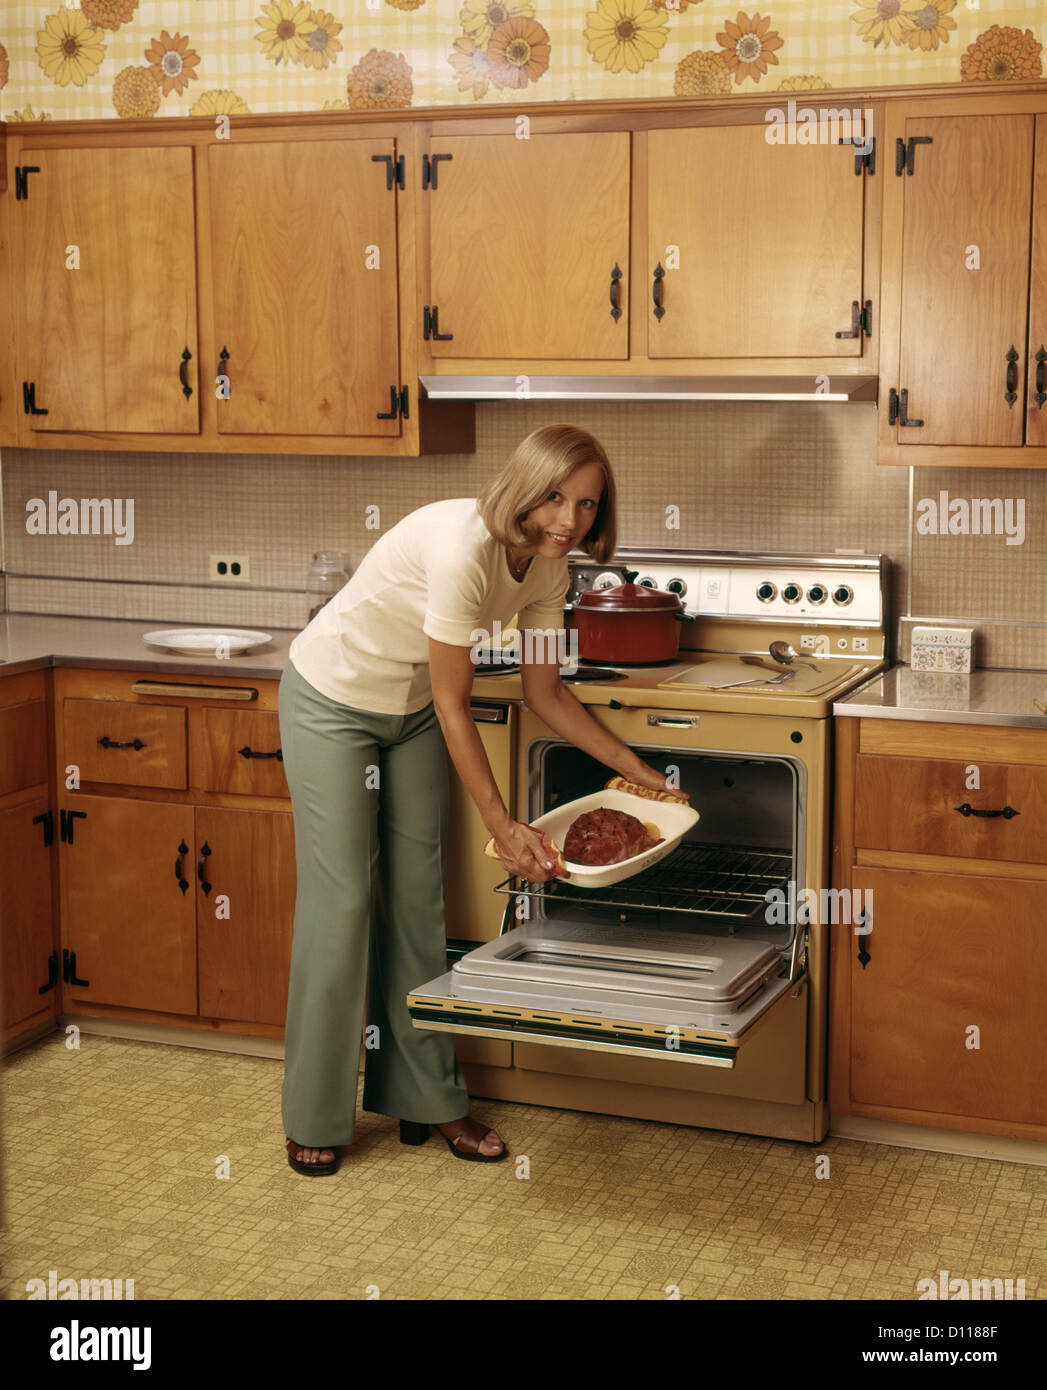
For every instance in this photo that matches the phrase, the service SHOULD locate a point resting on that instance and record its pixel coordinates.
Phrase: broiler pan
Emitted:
(673, 819)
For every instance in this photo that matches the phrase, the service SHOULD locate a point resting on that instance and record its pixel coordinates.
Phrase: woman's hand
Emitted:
(656, 782)
(528, 853)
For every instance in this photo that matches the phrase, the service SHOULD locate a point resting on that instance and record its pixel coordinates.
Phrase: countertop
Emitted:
(983, 697)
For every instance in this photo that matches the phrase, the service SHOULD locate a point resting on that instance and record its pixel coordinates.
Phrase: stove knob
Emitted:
(646, 582)
(766, 592)
(817, 593)
(677, 586)
(843, 594)
(792, 593)
(606, 580)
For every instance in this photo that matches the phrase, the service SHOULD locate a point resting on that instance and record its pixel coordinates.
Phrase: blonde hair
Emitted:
(537, 466)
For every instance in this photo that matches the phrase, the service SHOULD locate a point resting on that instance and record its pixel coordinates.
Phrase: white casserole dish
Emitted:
(673, 819)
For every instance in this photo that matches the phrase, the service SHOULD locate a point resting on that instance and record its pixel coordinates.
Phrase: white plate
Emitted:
(673, 819)
(206, 641)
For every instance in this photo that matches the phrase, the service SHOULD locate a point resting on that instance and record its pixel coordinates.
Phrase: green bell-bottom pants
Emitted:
(369, 795)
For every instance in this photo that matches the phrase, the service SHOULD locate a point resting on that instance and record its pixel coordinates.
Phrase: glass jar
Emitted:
(327, 576)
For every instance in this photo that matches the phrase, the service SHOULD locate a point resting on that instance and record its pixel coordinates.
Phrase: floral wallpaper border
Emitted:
(143, 58)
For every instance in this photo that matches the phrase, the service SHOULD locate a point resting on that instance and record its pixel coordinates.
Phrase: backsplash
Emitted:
(144, 58)
(746, 476)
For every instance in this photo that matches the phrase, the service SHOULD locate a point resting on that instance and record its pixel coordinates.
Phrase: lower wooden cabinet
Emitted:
(29, 966)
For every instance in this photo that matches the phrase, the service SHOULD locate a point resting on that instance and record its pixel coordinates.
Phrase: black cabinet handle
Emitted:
(658, 291)
(52, 973)
(248, 752)
(863, 939)
(183, 883)
(616, 293)
(69, 969)
(65, 823)
(223, 363)
(205, 850)
(968, 810)
(134, 743)
(183, 374)
(1010, 395)
(1041, 394)
(47, 818)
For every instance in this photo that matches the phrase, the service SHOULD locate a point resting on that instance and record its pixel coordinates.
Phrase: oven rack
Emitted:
(727, 881)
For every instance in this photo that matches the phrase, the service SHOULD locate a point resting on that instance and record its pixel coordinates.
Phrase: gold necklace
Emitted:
(517, 574)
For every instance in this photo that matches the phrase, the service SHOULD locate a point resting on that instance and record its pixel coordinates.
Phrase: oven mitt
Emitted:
(619, 784)
(558, 859)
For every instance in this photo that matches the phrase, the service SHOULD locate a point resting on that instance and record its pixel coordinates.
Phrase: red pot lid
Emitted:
(629, 598)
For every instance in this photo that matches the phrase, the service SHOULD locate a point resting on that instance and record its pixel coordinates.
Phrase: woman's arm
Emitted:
(520, 848)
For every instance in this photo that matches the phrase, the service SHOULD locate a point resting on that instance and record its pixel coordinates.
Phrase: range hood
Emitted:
(649, 388)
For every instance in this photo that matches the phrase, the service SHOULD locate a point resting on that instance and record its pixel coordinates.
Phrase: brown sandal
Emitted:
(312, 1170)
(476, 1156)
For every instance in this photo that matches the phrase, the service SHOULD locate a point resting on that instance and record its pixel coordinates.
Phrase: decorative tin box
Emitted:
(943, 649)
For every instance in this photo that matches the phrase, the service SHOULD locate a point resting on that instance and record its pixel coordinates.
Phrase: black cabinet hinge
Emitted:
(431, 325)
(399, 403)
(69, 969)
(905, 153)
(29, 399)
(430, 168)
(898, 408)
(864, 151)
(65, 824)
(52, 973)
(22, 181)
(861, 320)
(47, 817)
(394, 168)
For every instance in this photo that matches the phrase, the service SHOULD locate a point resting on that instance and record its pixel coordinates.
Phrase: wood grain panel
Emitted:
(909, 804)
(1036, 411)
(105, 341)
(311, 330)
(770, 240)
(26, 925)
(971, 188)
(946, 953)
(216, 763)
(524, 235)
(974, 743)
(161, 762)
(23, 746)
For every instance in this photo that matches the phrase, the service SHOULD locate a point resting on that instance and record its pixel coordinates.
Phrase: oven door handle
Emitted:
(673, 721)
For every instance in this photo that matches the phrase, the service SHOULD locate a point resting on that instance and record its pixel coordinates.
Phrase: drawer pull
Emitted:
(183, 883)
(196, 692)
(107, 742)
(204, 852)
(968, 810)
(248, 752)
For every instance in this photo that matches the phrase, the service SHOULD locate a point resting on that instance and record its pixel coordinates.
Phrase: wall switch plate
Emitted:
(229, 569)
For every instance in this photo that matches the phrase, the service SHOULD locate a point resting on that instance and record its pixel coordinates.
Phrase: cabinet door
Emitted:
(303, 268)
(246, 915)
(769, 240)
(525, 239)
(124, 912)
(1036, 396)
(949, 953)
(26, 925)
(472, 909)
(964, 277)
(110, 345)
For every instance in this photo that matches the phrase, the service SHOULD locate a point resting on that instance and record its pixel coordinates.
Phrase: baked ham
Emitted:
(603, 837)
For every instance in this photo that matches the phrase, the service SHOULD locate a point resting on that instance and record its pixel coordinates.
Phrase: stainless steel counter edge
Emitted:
(995, 686)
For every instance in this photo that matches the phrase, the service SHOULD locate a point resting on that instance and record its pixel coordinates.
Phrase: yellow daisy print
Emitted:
(886, 21)
(480, 18)
(219, 103)
(29, 115)
(625, 33)
(69, 48)
(931, 25)
(285, 30)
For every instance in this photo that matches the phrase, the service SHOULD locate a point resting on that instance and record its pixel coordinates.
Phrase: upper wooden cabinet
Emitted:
(107, 330)
(757, 245)
(529, 246)
(965, 290)
(303, 268)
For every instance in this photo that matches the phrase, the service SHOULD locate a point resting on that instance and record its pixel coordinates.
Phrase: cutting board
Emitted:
(726, 670)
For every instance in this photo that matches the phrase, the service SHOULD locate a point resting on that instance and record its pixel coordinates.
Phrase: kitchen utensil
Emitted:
(1039, 705)
(628, 624)
(207, 641)
(782, 651)
(759, 661)
(673, 819)
(775, 680)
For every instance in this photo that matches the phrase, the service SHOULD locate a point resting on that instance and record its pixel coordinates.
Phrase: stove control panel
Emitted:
(789, 590)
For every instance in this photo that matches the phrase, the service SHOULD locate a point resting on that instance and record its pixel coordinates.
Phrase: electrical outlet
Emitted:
(230, 569)
(808, 642)
(861, 644)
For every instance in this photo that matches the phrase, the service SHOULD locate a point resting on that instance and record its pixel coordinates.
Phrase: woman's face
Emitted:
(564, 519)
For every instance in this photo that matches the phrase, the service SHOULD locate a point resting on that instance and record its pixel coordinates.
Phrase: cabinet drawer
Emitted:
(159, 760)
(236, 751)
(914, 804)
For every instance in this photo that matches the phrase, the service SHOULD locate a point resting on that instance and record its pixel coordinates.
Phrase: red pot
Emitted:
(628, 625)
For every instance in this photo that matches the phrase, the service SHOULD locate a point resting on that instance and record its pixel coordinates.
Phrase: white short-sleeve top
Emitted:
(437, 573)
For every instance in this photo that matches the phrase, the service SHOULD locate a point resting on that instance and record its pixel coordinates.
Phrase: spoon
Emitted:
(783, 652)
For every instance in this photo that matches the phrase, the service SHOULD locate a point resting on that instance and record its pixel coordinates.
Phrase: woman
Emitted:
(372, 682)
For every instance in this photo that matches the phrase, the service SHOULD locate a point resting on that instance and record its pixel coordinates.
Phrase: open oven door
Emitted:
(675, 995)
